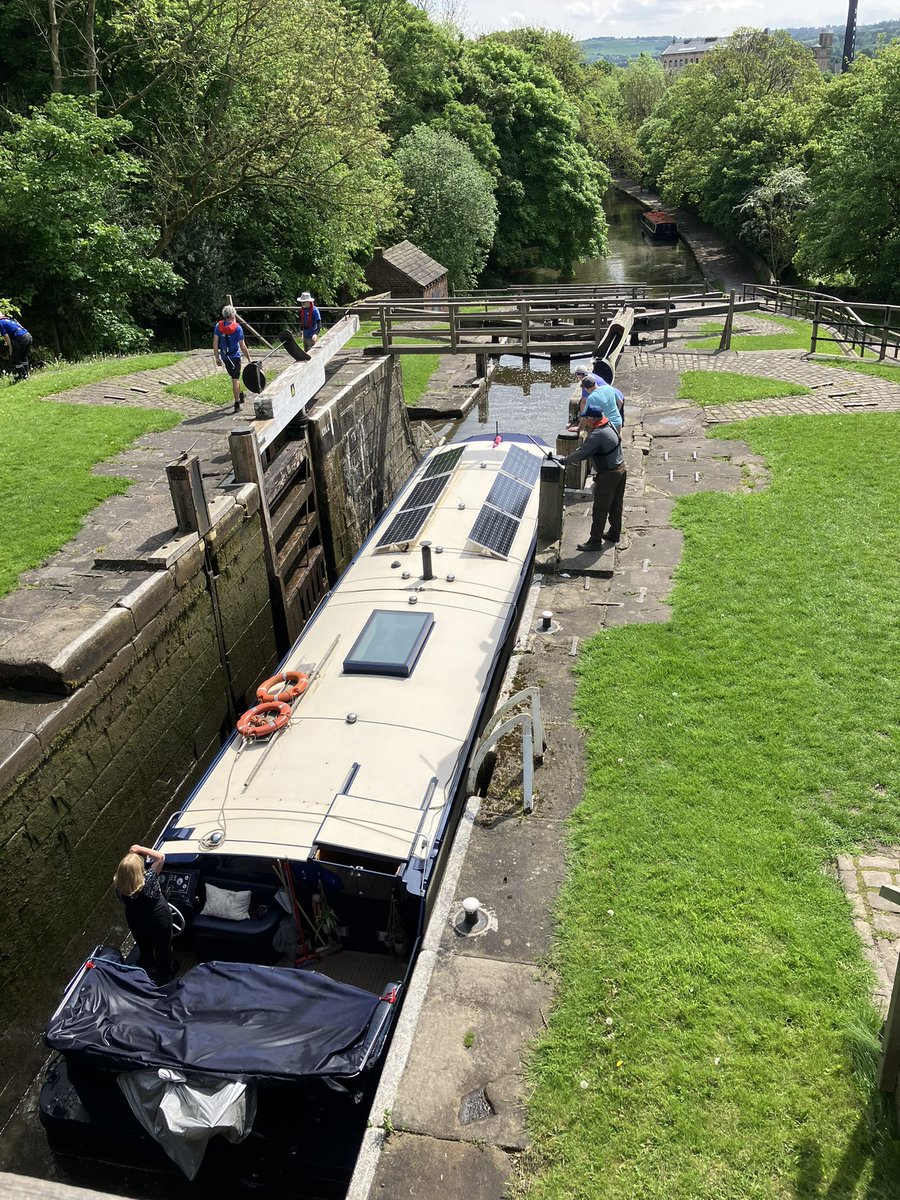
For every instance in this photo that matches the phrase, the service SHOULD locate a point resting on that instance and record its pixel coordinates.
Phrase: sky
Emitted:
(678, 18)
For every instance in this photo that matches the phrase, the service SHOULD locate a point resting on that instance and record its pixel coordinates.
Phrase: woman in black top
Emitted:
(147, 910)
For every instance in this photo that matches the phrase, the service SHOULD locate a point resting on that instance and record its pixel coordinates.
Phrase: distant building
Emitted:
(822, 53)
(685, 51)
(407, 273)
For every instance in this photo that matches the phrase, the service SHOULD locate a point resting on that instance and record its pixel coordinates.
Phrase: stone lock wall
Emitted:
(86, 774)
(362, 450)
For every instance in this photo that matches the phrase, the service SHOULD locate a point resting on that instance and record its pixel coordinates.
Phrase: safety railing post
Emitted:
(817, 314)
(882, 353)
(666, 327)
(384, 328)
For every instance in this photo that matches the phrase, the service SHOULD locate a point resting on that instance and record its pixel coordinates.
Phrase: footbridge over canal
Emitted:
(558, 321)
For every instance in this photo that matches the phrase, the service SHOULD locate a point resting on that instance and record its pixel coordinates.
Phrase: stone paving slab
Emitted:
(461, 1169)
(478, 1017)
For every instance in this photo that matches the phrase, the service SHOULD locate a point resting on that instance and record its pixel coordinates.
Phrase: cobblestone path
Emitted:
(835, 390)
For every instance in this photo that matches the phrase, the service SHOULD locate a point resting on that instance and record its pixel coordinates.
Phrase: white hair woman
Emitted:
(147, 910)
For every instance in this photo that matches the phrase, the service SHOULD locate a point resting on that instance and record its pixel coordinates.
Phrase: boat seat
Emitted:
(239, 941)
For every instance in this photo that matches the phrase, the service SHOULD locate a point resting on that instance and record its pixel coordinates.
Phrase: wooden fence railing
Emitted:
(866, 328)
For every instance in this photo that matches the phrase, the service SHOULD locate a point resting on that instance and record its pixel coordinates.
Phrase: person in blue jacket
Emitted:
(310, 320)
(228, 346)
(18, 343)
(601, 399)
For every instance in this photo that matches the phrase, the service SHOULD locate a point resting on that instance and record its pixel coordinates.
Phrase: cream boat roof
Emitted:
(279, 797)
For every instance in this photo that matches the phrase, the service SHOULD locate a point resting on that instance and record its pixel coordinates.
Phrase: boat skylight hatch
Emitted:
(522, 465)
(390, 643)
(444, 463)
(494, 530)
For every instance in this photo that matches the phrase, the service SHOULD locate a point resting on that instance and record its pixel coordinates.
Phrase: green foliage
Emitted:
(727, 387)
(772, 211)
(755, 739)
(643, 84)
(44, 497)
(453, 214)
(549, 190)
(76, 253)
(420, 56)
(741, 114)
(853, 229)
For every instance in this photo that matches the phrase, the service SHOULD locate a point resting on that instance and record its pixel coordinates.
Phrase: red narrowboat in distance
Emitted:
(659, 225)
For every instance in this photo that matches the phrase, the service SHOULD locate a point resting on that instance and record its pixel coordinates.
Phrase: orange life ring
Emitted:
(263, 719)
(295, 684)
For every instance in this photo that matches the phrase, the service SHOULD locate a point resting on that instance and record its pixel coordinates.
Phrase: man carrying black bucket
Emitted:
(18, 343)
(228, 346)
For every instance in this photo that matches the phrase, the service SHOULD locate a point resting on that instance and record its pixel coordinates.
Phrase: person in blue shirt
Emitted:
(601, 399)
(310, 320)
(228, 346)
(18, 343)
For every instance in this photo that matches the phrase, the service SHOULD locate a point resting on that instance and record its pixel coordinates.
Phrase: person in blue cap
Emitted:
(603, 447)
(18, 343)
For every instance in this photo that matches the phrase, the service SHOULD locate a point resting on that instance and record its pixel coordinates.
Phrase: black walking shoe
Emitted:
(589, 546)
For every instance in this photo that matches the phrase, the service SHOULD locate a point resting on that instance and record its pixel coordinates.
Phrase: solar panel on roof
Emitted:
(426, 492)
(494, 530)
(509, 495)
(521, 465)
(404, 526)
(444, 463)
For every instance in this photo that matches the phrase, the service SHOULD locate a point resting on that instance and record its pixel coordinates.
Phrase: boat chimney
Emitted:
(427, 572)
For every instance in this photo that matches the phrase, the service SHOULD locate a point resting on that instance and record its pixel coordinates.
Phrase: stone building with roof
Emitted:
(407, 273)
(685, 51)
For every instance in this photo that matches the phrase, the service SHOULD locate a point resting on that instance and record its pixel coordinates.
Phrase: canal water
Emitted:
(534, 397)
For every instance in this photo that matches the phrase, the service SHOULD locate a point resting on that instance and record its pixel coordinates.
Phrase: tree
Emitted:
(771, 211)
(278, 96)
(642, 85)
(420, 55)
(75, 247)
(851, 231)
(453, 213)
(550, 187)
(745, 111)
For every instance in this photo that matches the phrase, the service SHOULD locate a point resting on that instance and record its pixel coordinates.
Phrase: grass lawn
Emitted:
(417, 368)
(880, 369)
(727, 387)
(214, 389)
(714, 1037)
(49, 381)
(46, 455)
(798, 339)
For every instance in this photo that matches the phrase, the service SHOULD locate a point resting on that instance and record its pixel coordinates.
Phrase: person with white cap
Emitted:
(310, 319)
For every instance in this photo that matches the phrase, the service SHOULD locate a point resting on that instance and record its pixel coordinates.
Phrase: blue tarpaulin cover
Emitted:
(237, 1019)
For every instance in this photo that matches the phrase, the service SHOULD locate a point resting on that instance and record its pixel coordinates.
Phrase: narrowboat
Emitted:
(659, 225)
(302, 868)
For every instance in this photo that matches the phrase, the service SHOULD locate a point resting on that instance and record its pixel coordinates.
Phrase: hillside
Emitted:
(621, 51)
